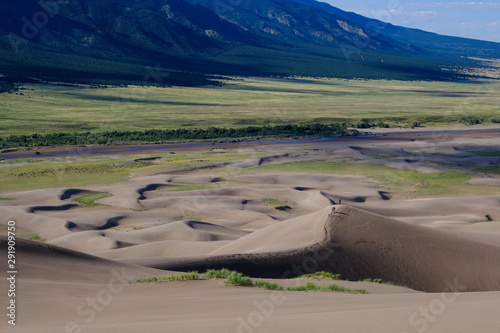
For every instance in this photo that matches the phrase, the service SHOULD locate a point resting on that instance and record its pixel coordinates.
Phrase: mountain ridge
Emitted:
(112, 41)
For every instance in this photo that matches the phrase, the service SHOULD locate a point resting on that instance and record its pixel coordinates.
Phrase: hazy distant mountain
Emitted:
(435, 43)
(113, 40)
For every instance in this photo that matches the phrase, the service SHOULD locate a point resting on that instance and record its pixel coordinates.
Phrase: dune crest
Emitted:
(358, 245)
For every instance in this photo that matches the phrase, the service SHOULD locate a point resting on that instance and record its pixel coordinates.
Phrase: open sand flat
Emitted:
(270, 218)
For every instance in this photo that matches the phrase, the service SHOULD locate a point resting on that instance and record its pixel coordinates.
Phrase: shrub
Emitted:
(379, 281)
(217, 274)
(237, 279)
(35, 237)
(267, 285)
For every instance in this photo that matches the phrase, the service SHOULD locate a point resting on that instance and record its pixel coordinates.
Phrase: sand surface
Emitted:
(438, 248)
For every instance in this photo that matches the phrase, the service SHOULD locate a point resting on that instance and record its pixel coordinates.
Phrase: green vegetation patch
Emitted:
(35, 237)
(491, 170)
(57, 174)
(163, 136)
(321, 274)
(190, 187)
(238, 279)
(240, 103)
(217, 273)
(279, 204)
(89, 199)
(168, 278)
(84, 171)
(330, 287)
(384, 156)
(234, 278)
(268, 285)
(402, 182)
(379, 281)
(7, 199)
(486, 153)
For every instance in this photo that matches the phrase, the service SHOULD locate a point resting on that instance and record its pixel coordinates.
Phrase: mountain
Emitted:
(438, 44)
(287, 23)
(111, 41)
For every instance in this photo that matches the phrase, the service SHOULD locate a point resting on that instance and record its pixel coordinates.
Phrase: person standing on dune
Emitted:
(332, 212)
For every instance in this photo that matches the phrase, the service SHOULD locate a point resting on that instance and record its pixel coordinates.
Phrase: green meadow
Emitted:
(405, 183)
(242, 102)
(70, 172)
(67, 172)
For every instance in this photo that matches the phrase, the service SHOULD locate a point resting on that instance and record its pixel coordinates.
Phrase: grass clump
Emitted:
(168, 278)
(309, 286)
(35, 237)
(379, 281)
(217, 274)
(237, 279)
(89, 199)
(187, 276)
(268, 285)
(321, 274)
(7, 199)
(234, 278)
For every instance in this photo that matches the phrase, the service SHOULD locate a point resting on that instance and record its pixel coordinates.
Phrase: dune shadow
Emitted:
(110, 223)
(71, 192)
(149, 188)
(51, 208)
(385, 195)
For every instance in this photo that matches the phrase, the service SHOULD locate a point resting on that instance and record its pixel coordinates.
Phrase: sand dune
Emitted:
(169, 248)
(431, 244)
(39, 261)
(362, 245)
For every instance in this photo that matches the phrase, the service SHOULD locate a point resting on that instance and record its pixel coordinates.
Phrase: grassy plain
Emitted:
(250, 101)
(67, 172)
(57, 172)
(407, 183)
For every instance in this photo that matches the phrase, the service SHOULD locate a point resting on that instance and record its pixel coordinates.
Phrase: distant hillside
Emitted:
(453, 47)
(181, 41)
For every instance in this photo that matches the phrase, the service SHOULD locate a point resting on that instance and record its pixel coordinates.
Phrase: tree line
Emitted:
(181, 134)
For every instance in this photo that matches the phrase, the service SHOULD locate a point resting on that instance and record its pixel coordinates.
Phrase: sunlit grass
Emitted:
(238, 279)
(321, 274)
(168, 278)
(402, 182)
(89, 200)
(83, 171)
(268, 285)
(190, 187)
(309, 286)
(279, 204)
(250, 101)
